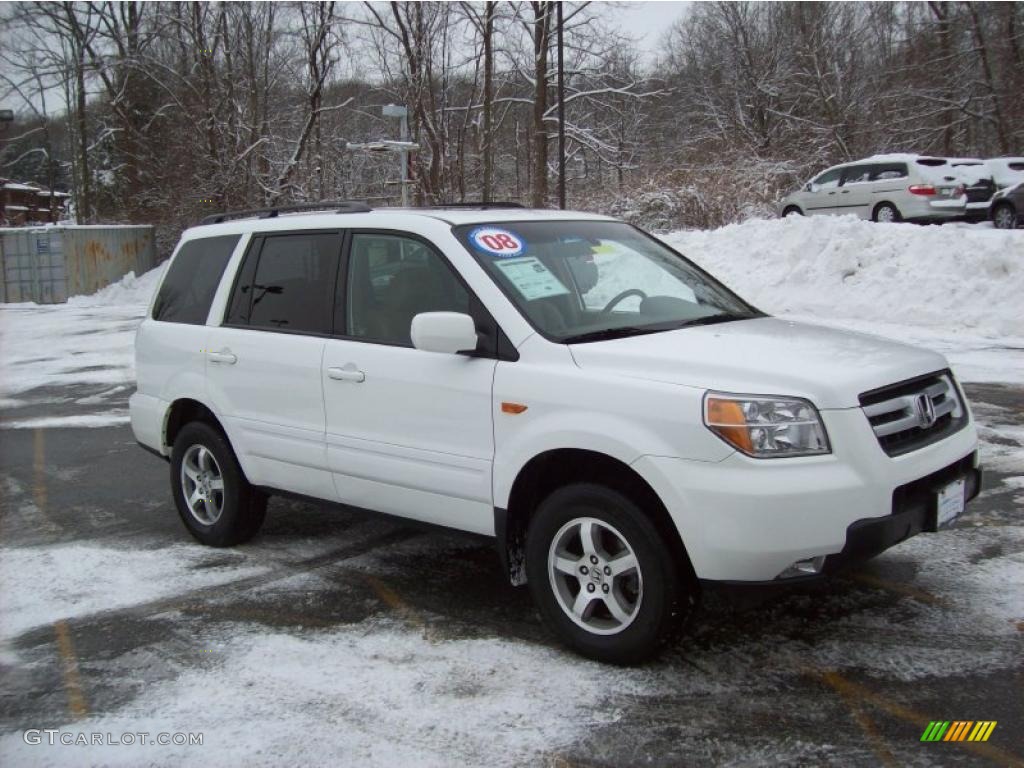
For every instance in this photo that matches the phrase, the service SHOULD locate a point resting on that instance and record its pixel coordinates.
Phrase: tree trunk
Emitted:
(541, 33)
(488, 99)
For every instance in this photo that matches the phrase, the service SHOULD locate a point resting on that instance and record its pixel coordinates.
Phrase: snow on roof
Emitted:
(20, 187)
(901, 157)
(55, 193)
(17, 208)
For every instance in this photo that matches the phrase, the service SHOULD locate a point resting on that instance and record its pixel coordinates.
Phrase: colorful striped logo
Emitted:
(958, 730)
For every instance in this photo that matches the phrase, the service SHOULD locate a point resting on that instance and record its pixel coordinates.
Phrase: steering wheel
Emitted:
(624, 295)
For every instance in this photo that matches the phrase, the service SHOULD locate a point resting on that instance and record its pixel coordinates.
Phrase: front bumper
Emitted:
(748, 520)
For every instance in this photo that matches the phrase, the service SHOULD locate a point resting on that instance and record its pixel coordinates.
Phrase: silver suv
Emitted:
(883, 188)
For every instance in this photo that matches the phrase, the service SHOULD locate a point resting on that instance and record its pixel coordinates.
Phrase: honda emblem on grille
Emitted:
(925, 411)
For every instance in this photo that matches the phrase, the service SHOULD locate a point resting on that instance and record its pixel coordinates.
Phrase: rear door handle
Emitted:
(224, 356)
(348, 373)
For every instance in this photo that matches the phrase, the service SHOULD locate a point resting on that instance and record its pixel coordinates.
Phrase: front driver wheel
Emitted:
(885, 213)
(792, 211)
(1004, 217)
(214, 500)
(605, 581)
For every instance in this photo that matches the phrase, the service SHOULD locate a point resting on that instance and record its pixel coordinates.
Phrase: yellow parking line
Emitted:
(39, 470)
(398, 605)
(900, 589)
(878, 744)
(907, 715)
(69, 666)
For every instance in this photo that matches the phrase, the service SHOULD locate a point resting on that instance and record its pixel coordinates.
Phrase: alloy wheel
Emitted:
(595, 576)
(202, 484)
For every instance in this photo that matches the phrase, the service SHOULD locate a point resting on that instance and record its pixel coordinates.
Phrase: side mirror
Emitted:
(445, 332)
(810, 187)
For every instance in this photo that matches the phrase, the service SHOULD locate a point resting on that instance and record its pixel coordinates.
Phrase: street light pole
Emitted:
(402, 113)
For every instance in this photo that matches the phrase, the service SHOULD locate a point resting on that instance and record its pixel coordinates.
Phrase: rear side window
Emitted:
(888, 171)
(292, 285)
(187, 290)
(855, 174)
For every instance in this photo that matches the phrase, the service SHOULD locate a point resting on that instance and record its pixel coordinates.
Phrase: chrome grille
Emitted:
(915, 413)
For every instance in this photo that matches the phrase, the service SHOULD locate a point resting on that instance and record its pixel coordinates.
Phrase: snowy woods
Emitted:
(161, 112)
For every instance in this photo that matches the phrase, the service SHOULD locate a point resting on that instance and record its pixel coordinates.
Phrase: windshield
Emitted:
(579, 281)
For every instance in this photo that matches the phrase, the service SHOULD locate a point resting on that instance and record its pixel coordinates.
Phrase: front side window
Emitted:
(829, 179)
(391, 279)
(192, 279)
(581, 281)
(292, 287)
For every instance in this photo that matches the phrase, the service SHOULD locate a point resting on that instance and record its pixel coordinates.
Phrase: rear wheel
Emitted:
(792, 211)
(1004, 217)
(885, 213)
(602, 576)
(214, 500)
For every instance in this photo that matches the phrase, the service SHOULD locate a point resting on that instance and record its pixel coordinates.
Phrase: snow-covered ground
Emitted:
(89, 340)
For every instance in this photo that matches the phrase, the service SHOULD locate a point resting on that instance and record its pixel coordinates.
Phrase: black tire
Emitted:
(792, 211)
(1005, 217)
(880, 213)
(667, 596)
(242, 507)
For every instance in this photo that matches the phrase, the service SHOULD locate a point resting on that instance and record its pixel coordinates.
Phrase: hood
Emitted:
(765, 356)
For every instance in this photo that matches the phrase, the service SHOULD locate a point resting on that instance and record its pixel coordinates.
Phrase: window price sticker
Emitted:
(531, 278)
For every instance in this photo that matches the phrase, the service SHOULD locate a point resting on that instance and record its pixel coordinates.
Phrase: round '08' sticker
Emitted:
(497, 242)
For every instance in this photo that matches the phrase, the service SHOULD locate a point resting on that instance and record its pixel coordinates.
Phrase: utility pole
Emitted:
(561, 112)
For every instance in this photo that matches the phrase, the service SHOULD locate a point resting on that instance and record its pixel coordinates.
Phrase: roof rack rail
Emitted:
(331, 206)
(479, 206)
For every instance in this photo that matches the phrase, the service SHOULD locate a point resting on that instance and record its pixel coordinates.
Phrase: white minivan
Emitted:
(624, 426)
(885, 188)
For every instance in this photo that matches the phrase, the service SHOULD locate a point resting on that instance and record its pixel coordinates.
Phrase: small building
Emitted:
(48, 264)
(22, 204)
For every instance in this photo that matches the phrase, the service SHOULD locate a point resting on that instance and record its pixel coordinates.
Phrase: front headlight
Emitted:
(766, 427)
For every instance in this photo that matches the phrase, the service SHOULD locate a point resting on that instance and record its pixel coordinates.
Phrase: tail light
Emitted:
(922, 189)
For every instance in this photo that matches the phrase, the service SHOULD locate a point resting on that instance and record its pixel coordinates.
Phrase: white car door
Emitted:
(264, 360)
(823, 193)
(408, 432)
(854, 194)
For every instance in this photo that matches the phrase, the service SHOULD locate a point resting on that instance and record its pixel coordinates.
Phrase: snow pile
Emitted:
(950, 278)
(129, 290)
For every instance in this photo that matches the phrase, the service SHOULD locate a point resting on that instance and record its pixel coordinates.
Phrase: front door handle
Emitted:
(224, 356)
(348, 373)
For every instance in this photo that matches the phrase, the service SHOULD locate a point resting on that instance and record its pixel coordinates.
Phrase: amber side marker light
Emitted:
(513, 408)
(725, 417)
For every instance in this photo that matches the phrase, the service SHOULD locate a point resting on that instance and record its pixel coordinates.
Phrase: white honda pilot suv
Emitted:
(625, 426)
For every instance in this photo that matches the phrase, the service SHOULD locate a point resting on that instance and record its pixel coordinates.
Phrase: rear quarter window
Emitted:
(192, 279)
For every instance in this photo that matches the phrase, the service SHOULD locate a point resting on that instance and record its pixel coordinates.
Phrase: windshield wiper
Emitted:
(724, 317)
(606, 334)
